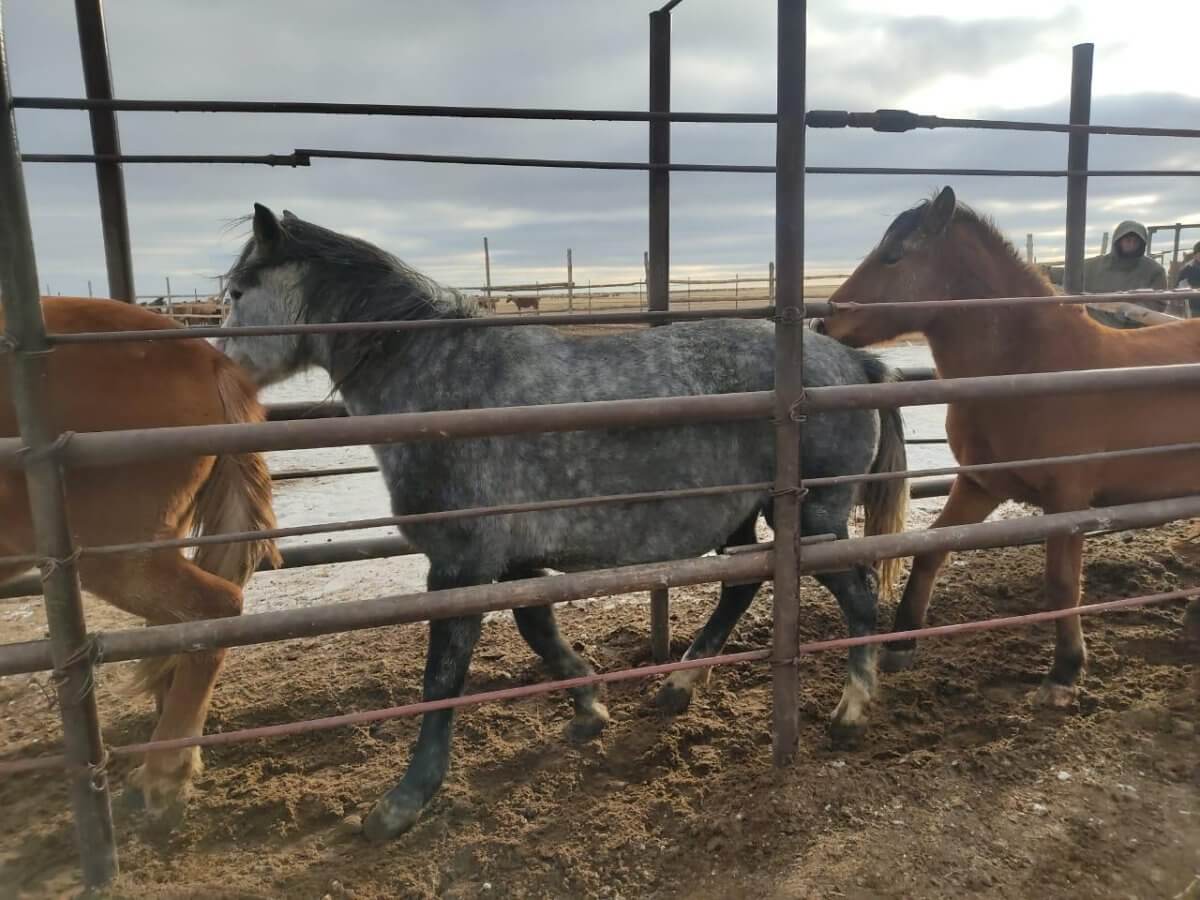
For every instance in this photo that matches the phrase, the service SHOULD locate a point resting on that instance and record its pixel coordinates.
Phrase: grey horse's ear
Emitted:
(940, 212)
(266, 227)
(289, 216)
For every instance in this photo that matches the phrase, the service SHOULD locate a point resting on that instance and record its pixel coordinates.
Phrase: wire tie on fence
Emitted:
(777, 663)
(790, 315)
(29, 455)
(795, 413)
(9, 344)
(98, 772)
(49, 565)
(89, 651)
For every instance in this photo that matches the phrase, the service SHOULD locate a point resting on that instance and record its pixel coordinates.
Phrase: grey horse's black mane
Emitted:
(352, 280)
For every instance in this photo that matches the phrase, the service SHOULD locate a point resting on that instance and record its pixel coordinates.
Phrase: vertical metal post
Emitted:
(110, 180)
(658, 259)
(1175, 251)
(487, 269)
(570, 283)
(1077, 161)
(29, 363)
(771, 281)
(89, 287)
(1104, 243)
(789, 380)
(170, 301)
(1029, 247)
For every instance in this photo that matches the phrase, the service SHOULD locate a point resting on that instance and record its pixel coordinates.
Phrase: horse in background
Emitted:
(941, 250)
(291, 270)
(111, 386)
(524, 302)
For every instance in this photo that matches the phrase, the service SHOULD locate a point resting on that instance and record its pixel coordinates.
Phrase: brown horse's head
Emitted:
(903, 267)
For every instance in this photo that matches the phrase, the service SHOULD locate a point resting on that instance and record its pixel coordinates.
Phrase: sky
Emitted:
(1009, 60)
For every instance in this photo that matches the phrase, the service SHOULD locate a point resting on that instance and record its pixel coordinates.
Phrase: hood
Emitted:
(1129, 226)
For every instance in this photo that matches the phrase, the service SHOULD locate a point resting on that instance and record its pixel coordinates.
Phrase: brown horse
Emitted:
(939, 250)
(105, 387)
(524, 302)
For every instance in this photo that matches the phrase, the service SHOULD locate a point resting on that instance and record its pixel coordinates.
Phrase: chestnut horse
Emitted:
(105, 387)
(939, 250)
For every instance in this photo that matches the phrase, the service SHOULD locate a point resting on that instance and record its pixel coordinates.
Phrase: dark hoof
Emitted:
(392, 817)
(898, 660)
(587, 726)
(672, 699)
(847, 736)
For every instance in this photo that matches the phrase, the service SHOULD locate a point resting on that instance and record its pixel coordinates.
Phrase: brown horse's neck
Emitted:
(1002, 339)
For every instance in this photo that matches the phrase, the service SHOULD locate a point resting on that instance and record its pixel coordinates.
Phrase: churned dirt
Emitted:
(961, 788)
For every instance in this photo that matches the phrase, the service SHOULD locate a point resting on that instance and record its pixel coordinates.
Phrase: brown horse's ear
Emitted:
(266, 227)
(940, 212)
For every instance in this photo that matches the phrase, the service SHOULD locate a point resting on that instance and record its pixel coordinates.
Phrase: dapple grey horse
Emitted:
(294, 271)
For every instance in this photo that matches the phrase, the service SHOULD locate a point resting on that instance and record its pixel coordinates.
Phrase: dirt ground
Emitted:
(961, 788)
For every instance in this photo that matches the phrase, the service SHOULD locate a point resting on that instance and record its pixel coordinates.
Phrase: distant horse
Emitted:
(524, 302)
(291, 270)
(105, 387)
(941, 250)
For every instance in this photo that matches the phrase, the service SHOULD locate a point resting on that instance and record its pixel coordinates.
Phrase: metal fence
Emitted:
(71, 652)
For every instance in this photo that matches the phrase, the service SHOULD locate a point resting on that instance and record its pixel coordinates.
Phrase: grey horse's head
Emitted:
(265, 288)
(292, 271)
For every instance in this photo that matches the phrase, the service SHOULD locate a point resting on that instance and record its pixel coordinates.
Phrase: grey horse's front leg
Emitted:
(451, 642)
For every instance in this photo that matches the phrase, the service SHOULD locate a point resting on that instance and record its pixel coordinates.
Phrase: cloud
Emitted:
(547, 53)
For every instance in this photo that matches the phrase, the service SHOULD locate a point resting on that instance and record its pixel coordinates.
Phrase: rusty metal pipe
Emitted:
(67, 649)
(163, 640)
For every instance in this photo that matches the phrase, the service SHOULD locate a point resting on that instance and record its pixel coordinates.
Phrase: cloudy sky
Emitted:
(1009, 60)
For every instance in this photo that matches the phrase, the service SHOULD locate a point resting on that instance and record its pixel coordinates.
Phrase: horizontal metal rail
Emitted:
(887, 120)
(295, 557)
(365, 717)
(606, 500)
(293, 107)
(1049, 300)
(499, 321)
(287, 412)
(119, 447)
(352, 615)
(448, 515)
(812, 309)
(304, 157)
(136, 445)
(163, 640)
(898, 120)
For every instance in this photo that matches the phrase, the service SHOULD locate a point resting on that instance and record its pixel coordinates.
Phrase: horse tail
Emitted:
(237, 494)
(885, 503)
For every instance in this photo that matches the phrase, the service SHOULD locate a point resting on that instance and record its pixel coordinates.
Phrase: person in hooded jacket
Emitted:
(1126, 267)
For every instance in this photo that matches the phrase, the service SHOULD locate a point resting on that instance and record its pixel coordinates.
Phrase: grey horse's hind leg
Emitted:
(855, 593)
(538, 627)
(827, 511)
(451, 642)
(676, 692)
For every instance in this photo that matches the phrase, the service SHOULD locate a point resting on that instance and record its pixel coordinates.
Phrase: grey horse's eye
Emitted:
(235, 295)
